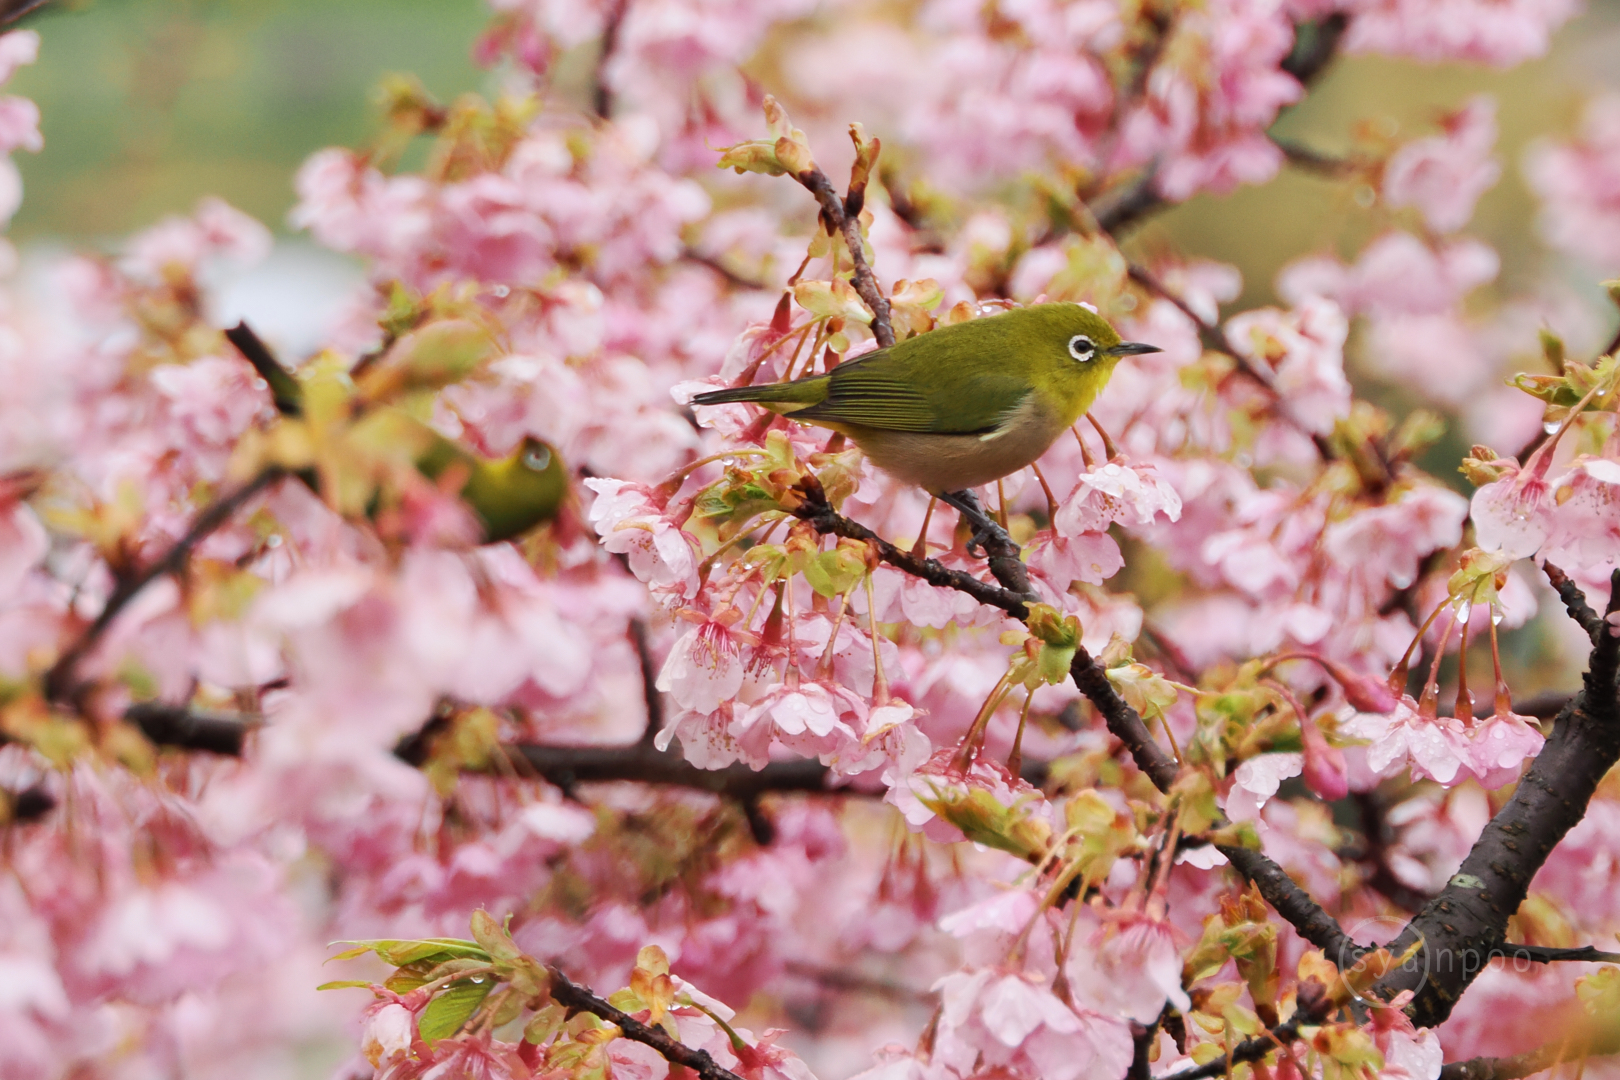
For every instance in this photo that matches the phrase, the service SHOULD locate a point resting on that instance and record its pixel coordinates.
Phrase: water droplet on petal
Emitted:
(1550, 427)
(1496, 616)
(1465, 611)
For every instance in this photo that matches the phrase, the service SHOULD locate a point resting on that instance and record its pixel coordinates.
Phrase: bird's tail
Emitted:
(781, 397)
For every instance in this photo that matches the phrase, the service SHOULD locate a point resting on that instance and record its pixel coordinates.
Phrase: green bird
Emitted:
(509, 495)
(962, 405)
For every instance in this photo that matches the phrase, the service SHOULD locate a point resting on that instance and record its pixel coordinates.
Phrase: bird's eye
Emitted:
(1082, 348)
(538, 459)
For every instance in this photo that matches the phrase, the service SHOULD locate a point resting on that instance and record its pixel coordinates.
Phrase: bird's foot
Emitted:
(987, 532)
(990, 541)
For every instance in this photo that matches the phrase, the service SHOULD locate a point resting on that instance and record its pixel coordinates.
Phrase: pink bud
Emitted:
(1324, 764)
(1363, 692)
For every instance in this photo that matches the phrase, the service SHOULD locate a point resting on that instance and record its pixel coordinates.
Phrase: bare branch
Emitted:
(1294, 904)
(835, 219)
(1303, 157)
(14, 10)
(59, 680)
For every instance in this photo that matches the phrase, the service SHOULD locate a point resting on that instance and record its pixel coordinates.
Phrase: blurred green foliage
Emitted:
(148, 105)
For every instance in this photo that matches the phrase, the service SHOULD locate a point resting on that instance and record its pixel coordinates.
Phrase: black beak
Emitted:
(1131, 348)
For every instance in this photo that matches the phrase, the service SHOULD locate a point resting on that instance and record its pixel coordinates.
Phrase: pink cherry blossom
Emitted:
(1128, 494)
(1304, 350)
(1443, 176)
(1490, 33)
(1576, 181)
(1437, 748)
(1012, 1020)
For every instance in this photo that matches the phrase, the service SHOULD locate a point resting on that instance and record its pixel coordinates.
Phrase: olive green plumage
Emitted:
(508, 495)
(962, 405)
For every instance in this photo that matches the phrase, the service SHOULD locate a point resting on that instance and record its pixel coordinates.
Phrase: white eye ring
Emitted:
(1082, 348)
(538, 459)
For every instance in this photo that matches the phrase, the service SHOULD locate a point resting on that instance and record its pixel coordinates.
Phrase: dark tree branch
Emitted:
(284, 389)
(836, 220)
(577, 998)
(1294, 904)
(816, 510)
(1315, 45)
(1312, 1008)
(59, 680)
(192, 729)
(1593, 1039)
(1122, 721)
(26, 806)
(601, 93)
(13, 10)
(650, 693)
(1575, 602)
(568, 766)
(1542, 954)
(1468, 920)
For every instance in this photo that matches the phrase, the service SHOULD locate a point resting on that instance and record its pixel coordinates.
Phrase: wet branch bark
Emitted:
(1465, 923)
(577, 998)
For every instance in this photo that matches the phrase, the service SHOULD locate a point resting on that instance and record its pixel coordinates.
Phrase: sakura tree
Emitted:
(733, 760)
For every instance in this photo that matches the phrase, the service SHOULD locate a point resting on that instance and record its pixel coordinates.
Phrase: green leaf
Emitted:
(343, 984)
(447, 1012)
(402, 951)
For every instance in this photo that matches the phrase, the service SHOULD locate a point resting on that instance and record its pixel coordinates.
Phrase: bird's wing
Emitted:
(896, 393)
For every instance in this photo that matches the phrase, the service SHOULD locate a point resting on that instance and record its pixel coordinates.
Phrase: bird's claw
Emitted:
(990, 532)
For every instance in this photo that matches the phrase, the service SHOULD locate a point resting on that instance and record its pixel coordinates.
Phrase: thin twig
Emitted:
(1597, 1038)
(1575, 602)
(816, 510)
(836, 220)
(1310, 1010)
(601, 93)
(13, 10)
(693, 255)
(59, 680)
(650, 694)
(1303, 157)
(577, 998)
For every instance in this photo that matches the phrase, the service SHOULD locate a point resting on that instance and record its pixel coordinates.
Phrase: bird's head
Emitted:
(1073, 350)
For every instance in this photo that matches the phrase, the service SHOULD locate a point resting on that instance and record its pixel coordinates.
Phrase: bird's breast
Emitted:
(938, 463)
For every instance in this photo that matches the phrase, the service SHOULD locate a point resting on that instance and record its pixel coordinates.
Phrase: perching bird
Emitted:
(962, 405)
(508, 495)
